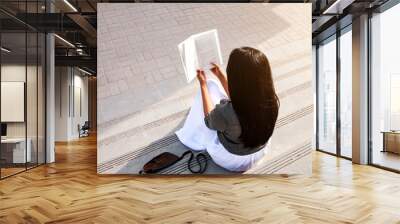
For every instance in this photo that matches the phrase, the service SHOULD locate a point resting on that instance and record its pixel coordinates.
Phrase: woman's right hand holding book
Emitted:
(216, 70)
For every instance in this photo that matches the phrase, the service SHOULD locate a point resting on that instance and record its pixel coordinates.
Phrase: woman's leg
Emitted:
(194, 133)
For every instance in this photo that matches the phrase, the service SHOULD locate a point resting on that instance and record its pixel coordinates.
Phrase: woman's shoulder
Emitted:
(224, 104)
(225, 101)
(225, 108)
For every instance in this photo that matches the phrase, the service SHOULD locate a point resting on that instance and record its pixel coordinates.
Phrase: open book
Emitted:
(198, 51)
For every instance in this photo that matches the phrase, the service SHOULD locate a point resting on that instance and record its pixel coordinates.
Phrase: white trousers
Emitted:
(195, 134)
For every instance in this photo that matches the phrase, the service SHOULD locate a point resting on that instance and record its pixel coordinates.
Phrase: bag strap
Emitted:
(198, 157)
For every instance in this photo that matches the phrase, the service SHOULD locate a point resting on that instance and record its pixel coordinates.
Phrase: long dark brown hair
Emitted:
(253, 95)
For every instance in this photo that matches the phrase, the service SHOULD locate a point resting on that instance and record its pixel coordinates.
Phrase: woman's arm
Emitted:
(207, 103)
(221, 77)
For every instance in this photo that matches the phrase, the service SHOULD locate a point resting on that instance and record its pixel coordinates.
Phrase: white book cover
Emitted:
(198, 51)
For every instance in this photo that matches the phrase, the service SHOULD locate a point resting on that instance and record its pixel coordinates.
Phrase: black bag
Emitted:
(167, 159)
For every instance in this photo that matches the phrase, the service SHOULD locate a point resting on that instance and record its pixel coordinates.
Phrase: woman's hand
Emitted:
(201, 77)
(221, 77)
(207, 103)
(216, 70)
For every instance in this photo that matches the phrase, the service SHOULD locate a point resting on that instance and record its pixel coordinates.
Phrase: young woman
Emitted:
(235, 132)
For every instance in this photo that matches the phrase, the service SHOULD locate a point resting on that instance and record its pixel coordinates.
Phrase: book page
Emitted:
(188, 55)
(208, 50)
(198, 51)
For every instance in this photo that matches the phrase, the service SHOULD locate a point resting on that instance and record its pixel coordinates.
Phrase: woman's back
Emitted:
(224, 120)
